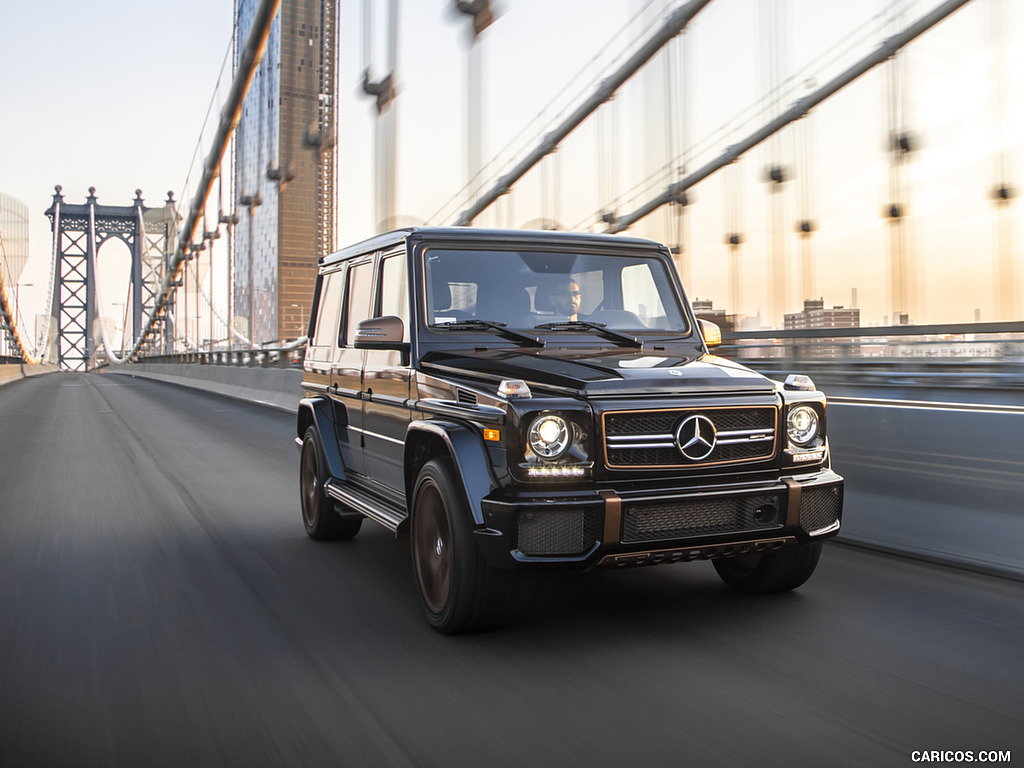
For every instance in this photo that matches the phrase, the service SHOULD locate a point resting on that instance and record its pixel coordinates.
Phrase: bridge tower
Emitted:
(78, 233)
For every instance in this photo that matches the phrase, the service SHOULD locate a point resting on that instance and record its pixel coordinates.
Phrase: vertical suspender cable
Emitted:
(1007, 302)
(733, 207)
(806, 225)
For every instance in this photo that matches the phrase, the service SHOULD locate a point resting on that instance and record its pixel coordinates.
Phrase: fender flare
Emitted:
(469, 458)
(317, 411)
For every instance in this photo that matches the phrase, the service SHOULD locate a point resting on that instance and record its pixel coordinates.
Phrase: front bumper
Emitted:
(608, 529)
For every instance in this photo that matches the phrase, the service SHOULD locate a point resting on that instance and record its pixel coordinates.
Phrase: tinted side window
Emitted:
(641, 295)
(330, 310)
(394, 290)
(360, 286)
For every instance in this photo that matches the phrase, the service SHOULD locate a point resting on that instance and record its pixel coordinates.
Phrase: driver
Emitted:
(566, 299)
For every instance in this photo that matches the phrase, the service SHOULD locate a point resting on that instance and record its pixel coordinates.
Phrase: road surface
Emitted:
(160, 604)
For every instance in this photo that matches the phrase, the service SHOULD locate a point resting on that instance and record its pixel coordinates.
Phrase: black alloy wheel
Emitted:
(319, 517)
(458, 590)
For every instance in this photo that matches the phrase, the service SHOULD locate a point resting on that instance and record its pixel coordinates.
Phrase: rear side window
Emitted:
(327, 320)
(360, 287)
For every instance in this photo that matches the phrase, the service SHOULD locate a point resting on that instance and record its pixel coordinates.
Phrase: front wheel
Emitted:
(318, 515)
(766, 573)
(458, 590)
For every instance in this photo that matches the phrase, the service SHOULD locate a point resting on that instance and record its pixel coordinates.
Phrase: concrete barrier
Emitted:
(939, 482)
(276, 387)
(15, 371)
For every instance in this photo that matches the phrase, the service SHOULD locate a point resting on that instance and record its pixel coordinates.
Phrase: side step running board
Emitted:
(380, 511)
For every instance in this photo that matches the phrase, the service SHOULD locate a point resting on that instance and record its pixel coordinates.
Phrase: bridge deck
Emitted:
(161, 605)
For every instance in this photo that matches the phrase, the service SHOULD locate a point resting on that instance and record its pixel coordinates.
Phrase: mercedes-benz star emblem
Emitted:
(696, 437)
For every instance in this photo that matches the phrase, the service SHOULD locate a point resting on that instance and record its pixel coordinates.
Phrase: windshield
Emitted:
(527, 289)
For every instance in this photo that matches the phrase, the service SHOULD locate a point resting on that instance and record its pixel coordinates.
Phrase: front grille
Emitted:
(679, 518)
(650, 438)
(556, 532)
(820, 507)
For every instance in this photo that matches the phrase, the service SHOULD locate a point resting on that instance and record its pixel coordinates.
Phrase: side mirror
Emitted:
(381, 333)
(712, 333)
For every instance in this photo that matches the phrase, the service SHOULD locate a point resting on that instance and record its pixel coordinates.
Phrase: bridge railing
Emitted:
(273, 357)
(976, 355)
(966, 356)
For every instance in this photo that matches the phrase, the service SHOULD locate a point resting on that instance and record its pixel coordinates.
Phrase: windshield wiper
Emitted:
(599, 328)
(493, 327)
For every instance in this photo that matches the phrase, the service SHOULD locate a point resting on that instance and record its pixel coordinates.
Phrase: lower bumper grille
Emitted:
(672, 519)
(820, 507)
(563, 532)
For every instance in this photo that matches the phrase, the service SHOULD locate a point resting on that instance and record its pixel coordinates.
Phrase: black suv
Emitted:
(517, 401)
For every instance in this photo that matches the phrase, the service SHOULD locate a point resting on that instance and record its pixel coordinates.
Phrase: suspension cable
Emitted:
(11, 319)
(531, 135)
(804, 105)
(252, 52)
(825, 60)
(676, 22)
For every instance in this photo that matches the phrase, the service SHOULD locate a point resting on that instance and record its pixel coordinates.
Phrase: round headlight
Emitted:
(549, 436)
(802, 424)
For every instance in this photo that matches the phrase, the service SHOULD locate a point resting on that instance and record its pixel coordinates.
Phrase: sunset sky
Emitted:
(88, 104)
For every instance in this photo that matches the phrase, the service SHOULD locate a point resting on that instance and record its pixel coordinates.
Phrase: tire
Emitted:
(458, 590)
(770, 572)
(319, 517)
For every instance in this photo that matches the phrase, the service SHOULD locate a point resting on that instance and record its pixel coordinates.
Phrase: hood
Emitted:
(597, 373)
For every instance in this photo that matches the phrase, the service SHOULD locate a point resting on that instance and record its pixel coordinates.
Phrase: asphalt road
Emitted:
(160, 604)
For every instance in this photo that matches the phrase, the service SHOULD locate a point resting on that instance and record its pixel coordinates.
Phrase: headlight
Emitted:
(802, 424)
(550, 436)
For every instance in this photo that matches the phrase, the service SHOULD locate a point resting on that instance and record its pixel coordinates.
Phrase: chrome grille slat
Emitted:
(738, 440)
(751, 433)
(637, 438)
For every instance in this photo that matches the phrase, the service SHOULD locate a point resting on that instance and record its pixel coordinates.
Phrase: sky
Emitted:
(87, 103)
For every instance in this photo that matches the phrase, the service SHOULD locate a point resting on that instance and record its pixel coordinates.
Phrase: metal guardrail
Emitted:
(900, 372)
(1009, 328)
(975, 355)
(277, 357)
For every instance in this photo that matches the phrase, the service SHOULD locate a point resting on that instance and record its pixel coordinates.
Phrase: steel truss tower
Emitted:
(78, 233)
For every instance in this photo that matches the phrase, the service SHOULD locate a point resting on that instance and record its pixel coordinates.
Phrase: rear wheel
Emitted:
(319, 517)
(458, 590)
(769, 572)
